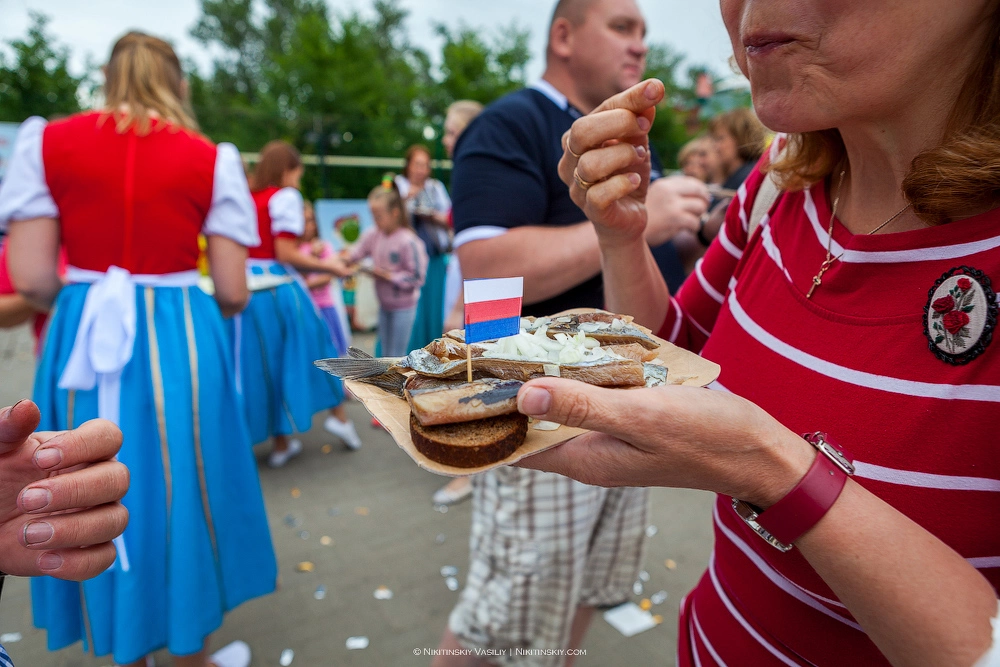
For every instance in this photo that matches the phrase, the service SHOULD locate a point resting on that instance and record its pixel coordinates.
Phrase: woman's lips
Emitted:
(761, 45)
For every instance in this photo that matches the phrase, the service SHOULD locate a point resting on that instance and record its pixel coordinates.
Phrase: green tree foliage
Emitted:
(36, 80)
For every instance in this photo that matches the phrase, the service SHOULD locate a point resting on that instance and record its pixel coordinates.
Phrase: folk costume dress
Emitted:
(893, 356)
(133, 339)
(280, 334)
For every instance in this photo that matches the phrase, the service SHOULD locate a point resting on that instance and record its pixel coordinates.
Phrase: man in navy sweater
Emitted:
(546, 550)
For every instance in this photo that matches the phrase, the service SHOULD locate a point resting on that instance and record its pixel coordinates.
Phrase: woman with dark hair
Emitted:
(127, 189)
(850, 296)
(428, 204)
(739, 140)
(281, 333)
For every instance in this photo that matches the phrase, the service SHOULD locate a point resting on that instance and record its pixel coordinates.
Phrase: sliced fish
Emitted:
(453, 403)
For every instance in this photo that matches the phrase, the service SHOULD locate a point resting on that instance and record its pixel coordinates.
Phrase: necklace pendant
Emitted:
(817, 281)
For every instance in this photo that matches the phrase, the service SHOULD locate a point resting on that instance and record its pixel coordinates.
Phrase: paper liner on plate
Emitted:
(394, 412)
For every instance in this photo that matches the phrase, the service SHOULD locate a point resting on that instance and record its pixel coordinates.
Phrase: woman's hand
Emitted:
(609, 179)
(59, 496)
(673, 436)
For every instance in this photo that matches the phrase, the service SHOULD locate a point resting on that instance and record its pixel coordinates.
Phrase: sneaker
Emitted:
(279, 458)
(345, 431)
(236, 654)
(453, 492)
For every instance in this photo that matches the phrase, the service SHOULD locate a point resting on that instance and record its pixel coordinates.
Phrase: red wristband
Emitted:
(803, 507)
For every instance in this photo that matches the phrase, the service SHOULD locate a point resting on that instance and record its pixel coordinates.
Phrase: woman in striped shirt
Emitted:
(858, 300)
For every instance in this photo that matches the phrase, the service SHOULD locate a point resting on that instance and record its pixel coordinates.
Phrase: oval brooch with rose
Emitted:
(960, 315)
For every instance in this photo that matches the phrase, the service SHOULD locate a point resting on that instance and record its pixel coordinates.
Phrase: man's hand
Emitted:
(674, 204)
(59, 496)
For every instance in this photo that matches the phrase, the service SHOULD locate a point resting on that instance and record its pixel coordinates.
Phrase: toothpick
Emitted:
(468, 360)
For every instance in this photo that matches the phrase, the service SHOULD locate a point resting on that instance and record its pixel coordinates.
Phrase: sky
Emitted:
(88, 27)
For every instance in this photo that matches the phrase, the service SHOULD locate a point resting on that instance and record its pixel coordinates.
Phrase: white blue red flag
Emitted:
(492, 308)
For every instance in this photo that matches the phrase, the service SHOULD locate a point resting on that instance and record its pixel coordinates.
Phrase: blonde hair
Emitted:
(960, 173)
(143, 78)
(388, 193)
(277, 158)
(464, 111)
(748, 132)
(688, 149)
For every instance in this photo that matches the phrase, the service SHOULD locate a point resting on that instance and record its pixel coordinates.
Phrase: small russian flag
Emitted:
(492, 308)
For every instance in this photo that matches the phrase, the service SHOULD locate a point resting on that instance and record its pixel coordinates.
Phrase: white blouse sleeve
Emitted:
(232, 213)
(287, 212)
(24, 194)
(443, 200)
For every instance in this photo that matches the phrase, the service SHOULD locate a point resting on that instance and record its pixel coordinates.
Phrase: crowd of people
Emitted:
(839, 274)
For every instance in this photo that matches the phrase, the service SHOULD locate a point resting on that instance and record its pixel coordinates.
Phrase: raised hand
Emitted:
(59, 496)
(606, 161)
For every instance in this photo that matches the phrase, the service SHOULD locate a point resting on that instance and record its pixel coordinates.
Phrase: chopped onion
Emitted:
(545, 426)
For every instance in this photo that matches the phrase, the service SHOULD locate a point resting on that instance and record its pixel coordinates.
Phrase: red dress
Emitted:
(892, 357)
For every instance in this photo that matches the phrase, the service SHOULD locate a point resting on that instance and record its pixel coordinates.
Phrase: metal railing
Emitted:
(352, 161)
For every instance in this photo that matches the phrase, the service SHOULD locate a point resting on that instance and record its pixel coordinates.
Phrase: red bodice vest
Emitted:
(138, 202)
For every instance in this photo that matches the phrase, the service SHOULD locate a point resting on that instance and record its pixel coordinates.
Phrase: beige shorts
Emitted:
(542, 545)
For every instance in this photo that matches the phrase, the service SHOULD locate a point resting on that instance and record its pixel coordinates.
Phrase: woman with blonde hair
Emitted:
(739, 140)
(127, 189)
(851, 297)
(281, 333)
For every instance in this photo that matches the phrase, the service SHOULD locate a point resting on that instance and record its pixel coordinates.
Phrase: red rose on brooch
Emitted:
(964, 284)
(955, 321)
(945, 304)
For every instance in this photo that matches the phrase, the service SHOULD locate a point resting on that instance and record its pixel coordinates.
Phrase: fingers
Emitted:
(592, 458)
(641, 97)
(579, 405)
(95, 440)
(604, 194)
(76, 564)
(596, 165)
(17, 423)
(101, 483)
(593, 131)
(76, 529)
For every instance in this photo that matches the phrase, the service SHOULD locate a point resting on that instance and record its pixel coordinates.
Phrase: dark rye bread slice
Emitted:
(470, 444)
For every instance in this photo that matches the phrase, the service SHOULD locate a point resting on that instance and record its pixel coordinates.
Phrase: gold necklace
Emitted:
(830, 259)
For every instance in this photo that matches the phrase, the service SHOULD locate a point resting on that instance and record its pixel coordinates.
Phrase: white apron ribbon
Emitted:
(105, 339)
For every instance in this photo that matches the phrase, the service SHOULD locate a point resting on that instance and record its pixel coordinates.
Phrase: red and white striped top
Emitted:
(853, 361)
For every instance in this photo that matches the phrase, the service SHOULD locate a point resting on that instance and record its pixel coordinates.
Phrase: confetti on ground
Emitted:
(644, 576)
(658, 598)
(637, 588)
(286, 657)
(320, 592)
(629, 619)
(441, 508)
(326, 449)
(296, 492)
(304, 534)
(646, 604)
(326, 540)
(670, 564)
(354, 643)
(10, 637)
(449, 571)
(651, 530)
(440, 538)
(657, 619)
(333, 511)
(383, 593)
(451, 583)
(361, 511)
(292, 521)
(305, 566)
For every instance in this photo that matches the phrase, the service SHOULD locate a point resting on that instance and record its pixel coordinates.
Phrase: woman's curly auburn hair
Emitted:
(962, 171)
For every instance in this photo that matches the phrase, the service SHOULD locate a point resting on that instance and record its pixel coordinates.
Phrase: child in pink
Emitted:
(324, 288)
(400, 266)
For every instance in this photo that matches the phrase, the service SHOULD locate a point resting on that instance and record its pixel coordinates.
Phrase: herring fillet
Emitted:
(445, 402)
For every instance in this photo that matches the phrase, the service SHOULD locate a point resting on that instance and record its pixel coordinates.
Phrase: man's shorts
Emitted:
(542, 545)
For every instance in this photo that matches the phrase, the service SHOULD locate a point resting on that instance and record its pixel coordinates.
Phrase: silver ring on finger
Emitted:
(584, 185)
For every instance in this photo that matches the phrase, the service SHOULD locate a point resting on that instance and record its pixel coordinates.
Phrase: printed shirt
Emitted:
(875, 358)
(403, 255)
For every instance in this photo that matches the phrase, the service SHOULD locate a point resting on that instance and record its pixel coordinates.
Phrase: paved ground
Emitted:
(375, 506)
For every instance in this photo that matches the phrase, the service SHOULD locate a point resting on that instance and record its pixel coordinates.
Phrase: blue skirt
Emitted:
(429, 322)
(198, 540)
(278, 337)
